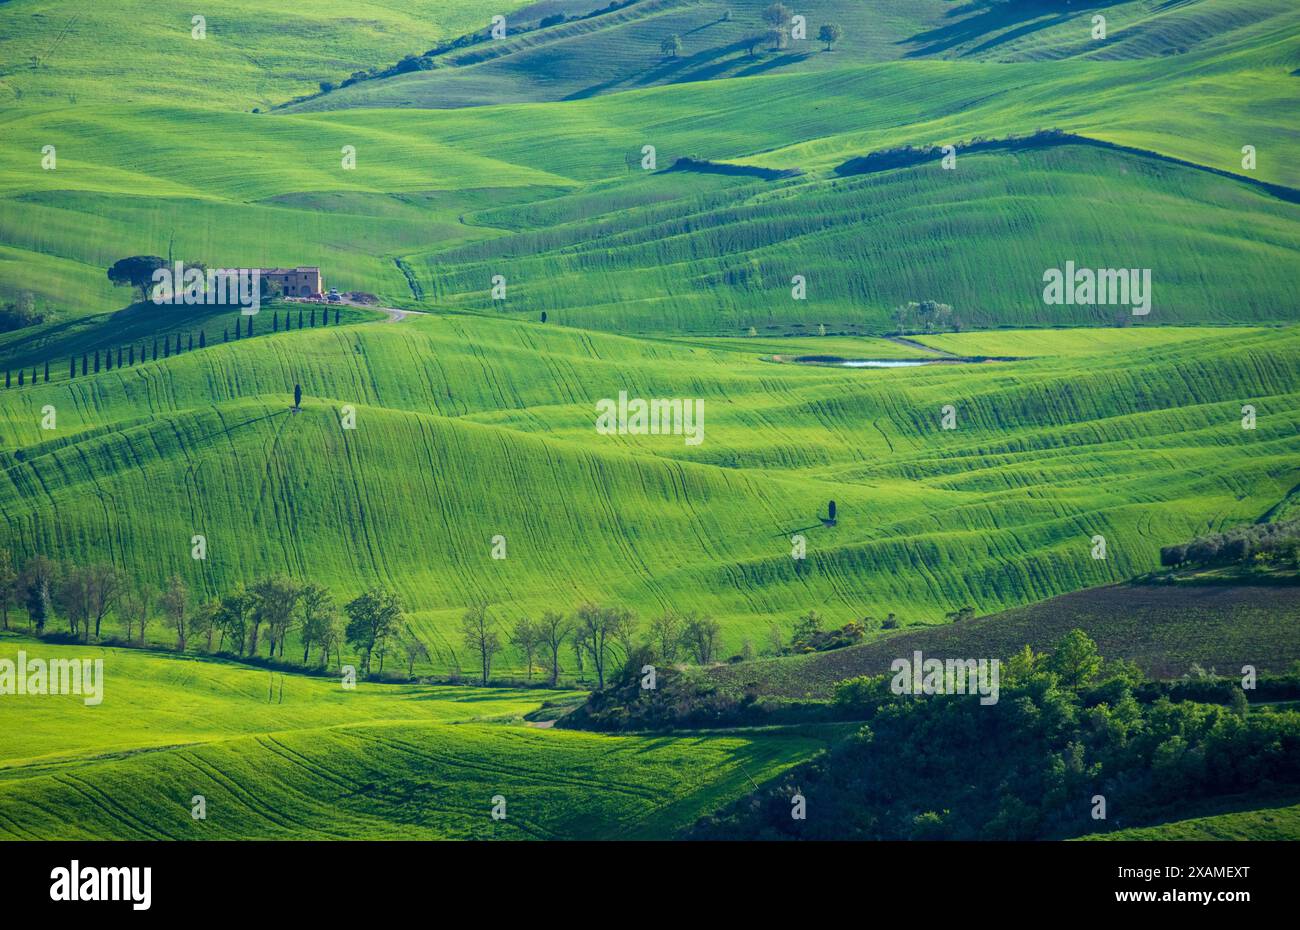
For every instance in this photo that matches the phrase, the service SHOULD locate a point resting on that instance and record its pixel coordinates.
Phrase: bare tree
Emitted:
(72, 595)
(318, 611)
(104, 587)
(414, 650)
(133, 608)
(8, 585)
(175, 604)
(524, 637)
(666, 636)
(702, 637)
(480, 637)
(600, 630)
(552, 630)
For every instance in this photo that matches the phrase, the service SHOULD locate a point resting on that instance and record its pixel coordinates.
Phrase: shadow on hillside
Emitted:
(775, 61)
(981, 18)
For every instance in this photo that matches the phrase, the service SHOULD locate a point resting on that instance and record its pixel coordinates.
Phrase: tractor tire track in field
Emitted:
(496, 768)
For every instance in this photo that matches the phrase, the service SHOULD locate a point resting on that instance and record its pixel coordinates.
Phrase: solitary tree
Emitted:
(297, 395)
(136, 271)
(830, 34)
(831, 511)
(671, 46)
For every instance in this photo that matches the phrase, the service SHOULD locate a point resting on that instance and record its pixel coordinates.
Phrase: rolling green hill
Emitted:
(619, 49)
(456, 415)
(520, 161)
(282, 756)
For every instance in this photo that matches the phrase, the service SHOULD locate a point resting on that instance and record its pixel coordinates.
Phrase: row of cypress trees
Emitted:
(126, 356)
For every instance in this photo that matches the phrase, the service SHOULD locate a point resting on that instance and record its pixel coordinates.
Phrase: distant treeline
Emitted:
(427, 61)
(257, 623)
(1070, 748)
(1267, 543)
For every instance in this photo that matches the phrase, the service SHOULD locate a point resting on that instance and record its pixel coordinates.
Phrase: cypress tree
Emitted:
(96, 361)
(300, 319)
(72, 368)
(85, 367)
(236, 329)
(203, 340)
(6, 379)
(47, 371)
(336, 316)
(189, 344)
(275, 321)
(250, 326)
(225, 335)
(33, 374)
(108, 360)
(311, 318)
(20, 377)
(155, 350)
(119, 356)
(132, 359)
(167, 347)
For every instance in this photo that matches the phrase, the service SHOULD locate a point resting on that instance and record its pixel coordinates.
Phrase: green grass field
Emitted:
(286, 756)
(930, 519)
(520, 160)
(1281, 822)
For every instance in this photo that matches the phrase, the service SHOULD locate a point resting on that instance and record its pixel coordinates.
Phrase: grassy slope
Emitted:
(145, 457)
(620, 51)
(381, 762)
(1217, 250)
(255, 53)
(423, 179)
(1164, 629)
(1280, 822)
